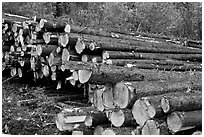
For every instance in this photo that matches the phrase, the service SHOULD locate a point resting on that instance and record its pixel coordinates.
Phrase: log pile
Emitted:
(137, 83)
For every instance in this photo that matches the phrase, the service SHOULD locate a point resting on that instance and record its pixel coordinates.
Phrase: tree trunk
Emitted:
(178, 121)
(82, 130)
(126, 93)
(181, 102)
(155, 127)
(154, 56)
(122, 118)
(45, 50)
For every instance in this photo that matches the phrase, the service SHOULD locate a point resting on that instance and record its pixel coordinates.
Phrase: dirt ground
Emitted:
(30, 118)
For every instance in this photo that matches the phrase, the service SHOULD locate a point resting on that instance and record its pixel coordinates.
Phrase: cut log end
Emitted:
(139, 111)
(121, 95)
(117, 118)
(80, 46)
(108, 132)
(98, 130)
(165, 104)
(67, 28)
(88, 121)
(84, 75)
(105, 55)
(92, 46)
(150, 128)
(174, 122)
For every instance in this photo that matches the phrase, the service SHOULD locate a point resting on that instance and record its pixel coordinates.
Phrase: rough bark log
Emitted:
(159, 65)
(45, 50)
(49, 26)
(178, 121)
(118, 131)
(103, 74)
(181, 102)
(154, 56)
(126, 93)
(96, 118)
(122, 118)
(123, 62)
(155, 127)
(141, 48)
(114, 74)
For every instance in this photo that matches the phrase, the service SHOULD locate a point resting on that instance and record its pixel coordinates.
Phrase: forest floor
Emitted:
(35, 118)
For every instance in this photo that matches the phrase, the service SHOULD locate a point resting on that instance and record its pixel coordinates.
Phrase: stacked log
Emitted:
(144, 84)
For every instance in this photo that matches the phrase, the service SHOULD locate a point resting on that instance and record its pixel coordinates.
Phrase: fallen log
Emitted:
(178, 121)
(118, 131)
(181, 102)
(154, 56)
(126, 93)
(155, 127)
(97, 98)
(122, 118)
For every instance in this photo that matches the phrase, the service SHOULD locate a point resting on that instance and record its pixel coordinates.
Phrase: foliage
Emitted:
(181, 19)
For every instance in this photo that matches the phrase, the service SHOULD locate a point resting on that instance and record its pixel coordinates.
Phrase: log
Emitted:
(137, 131)
(98, 130)
(123, 62)
(49, 26)
(146, 108)
(155, 127)
(82, 130)
(107, 97)
(96, 118)
(118, 131)
(181, 102)
(90, 58)
(69, 119)
(122, 118)
(142, 48)
(154, 56)
(103, 74)
(126, 93)
(114, 74)
(157, 65)
(45, 50)
(97, 98)
(178, 121)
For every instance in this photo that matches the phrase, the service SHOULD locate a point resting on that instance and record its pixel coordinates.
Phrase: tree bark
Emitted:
(181, 102)
(154, 56)
(178, 121)
(96, 118)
